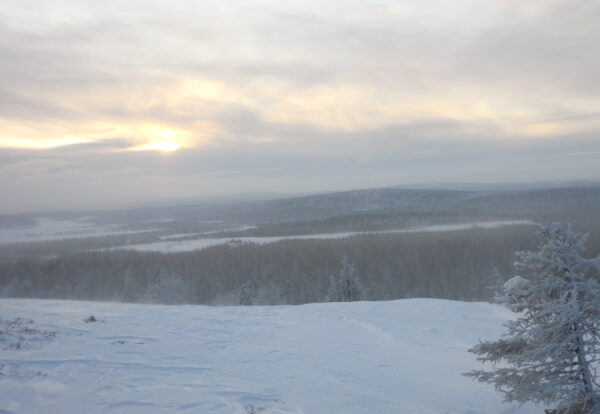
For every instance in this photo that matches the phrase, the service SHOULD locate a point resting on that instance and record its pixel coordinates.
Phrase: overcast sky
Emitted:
(111, 103)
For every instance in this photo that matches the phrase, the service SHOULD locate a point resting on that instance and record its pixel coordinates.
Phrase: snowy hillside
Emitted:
(396, 357)
(376, 197)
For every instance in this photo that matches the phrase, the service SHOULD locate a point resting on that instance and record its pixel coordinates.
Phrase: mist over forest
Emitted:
(389, 243)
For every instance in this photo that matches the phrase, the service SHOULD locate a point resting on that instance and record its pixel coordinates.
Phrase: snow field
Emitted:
(404, 356)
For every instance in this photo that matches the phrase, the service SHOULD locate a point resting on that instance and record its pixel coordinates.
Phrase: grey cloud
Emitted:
(106, 144)
(554, 49)
(434, 146)
(16, 107)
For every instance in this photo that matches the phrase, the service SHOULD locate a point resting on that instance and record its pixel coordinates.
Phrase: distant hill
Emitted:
(554, 198)
(376, 199)
(486, 187)
(356, 210)
(382, 198)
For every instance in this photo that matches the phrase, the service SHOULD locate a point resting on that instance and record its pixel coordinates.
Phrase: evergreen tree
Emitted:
(247, 294)
(495, 285)
(550, 353)
(347, 288)
(333, 292)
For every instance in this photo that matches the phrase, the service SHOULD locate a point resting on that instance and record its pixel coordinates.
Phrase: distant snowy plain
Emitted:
(47, 228)
(396, 357)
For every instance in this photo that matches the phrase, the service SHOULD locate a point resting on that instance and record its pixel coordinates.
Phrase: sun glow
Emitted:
(167, 143)
(166, 146)
(160, 139)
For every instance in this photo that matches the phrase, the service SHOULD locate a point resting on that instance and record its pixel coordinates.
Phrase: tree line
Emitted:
(449, 265)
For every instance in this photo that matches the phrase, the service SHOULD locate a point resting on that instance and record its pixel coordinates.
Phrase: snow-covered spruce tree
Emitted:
(247, 294)
(495, 285)
(347, 288)
(550, 353)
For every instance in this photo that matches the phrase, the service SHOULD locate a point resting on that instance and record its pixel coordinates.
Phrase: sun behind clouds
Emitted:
(166, 146)
(165, 140)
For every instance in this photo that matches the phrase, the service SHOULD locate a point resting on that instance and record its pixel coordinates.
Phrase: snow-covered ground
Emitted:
(397, 357)
(172, 246)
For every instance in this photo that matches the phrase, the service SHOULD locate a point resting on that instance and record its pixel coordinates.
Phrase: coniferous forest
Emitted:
(452, 264)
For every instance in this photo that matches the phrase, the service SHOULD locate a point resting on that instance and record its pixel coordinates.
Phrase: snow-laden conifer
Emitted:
(550, 352)
(347, 288)
(495, 284)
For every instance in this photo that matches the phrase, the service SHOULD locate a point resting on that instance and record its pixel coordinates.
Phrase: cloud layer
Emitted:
(291, 96)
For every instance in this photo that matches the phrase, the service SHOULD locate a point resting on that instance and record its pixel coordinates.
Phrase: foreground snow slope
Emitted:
(397, 357)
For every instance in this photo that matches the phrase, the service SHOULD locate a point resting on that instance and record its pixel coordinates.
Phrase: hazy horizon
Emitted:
(244, 197)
